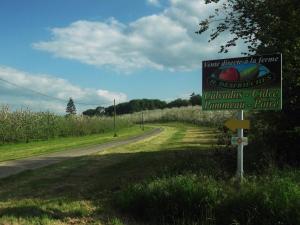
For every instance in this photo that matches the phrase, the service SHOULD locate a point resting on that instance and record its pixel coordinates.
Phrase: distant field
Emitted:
(23, 150)
(26, 126)
(190, 114)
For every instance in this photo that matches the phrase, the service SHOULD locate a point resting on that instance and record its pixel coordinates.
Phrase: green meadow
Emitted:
(180, 176)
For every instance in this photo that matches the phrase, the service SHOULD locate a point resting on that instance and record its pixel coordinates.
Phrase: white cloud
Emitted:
(164, 41)
(51, 86)
(153, 2)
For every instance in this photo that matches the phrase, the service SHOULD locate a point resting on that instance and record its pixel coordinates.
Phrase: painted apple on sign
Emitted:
(230, 74)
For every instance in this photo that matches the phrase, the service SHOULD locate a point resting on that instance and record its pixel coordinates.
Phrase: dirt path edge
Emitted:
(8, 168)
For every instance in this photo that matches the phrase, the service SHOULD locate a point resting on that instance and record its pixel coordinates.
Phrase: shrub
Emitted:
(269, 201)
(189, 199)
(183, 199)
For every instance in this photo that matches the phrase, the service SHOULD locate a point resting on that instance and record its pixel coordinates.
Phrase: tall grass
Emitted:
(174, 200)
(199, 200)
(190, 114)
(24, 125)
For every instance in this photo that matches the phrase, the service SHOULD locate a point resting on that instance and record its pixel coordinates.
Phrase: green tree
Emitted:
(99, 111)
(178, 103)
(267, 26)
(195, 99)
(71, 109)
(136, 105)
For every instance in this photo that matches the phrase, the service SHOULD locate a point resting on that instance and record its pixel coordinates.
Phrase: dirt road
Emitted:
(8, 168)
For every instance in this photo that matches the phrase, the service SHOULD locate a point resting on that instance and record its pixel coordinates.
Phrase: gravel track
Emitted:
(11, 167)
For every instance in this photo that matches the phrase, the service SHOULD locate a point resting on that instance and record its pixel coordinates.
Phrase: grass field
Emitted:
(23, 150)
(78, 191)
(86, 190)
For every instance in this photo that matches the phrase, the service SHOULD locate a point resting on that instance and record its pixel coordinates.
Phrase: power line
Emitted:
(28, 89)
(45, 95)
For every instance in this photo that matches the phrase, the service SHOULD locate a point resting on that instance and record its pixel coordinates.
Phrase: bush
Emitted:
(189, 199)
(270, 201)
(175, 200)
(274, 141)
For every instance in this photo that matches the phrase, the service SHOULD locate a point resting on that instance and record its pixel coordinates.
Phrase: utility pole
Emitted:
(115, 112)
(143, 120)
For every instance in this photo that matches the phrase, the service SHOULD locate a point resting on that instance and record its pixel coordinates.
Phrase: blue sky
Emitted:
(99, 50)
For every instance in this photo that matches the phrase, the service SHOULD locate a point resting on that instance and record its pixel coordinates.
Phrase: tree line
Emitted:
(138, 105)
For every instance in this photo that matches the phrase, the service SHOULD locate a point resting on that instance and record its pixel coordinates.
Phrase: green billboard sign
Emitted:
(243, 83)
